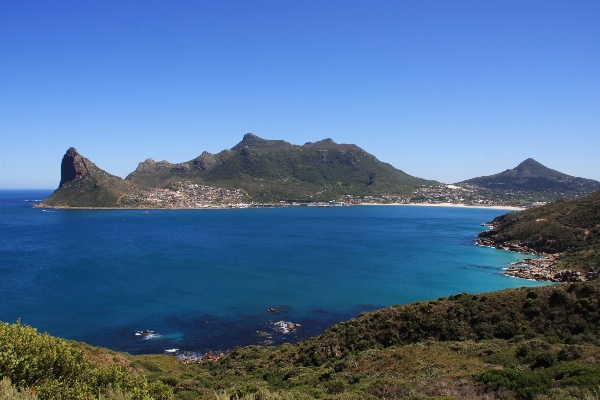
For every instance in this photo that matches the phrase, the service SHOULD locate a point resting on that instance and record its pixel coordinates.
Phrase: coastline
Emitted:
(136, 209)
(461, 205)
(228, 207)
(541, 269)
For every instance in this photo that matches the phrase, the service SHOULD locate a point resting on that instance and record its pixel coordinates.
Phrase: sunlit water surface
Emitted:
(204, 279)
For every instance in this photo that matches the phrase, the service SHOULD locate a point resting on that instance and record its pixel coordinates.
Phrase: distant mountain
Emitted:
(83, 184)
(263, 170)
(277, 170)
(534, 178)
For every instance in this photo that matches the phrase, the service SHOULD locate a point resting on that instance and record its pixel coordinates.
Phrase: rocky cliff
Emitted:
(83, 184)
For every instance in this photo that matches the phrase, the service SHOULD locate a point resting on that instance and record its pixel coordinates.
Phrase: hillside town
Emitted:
(192, 195)
(186, 195)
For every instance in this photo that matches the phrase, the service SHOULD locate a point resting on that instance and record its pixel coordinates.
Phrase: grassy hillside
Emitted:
(570, 227)
(521, 343)
(46, 367)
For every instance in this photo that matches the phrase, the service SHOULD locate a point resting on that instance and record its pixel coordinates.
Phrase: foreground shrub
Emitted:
(57, 369)
(27, 357)
(9, 392)
(525, 384)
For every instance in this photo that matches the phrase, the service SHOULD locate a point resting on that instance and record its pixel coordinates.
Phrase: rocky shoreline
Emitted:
(543, 268)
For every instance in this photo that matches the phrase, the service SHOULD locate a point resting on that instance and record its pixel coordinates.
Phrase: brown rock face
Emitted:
(72, 167)
(205, 162)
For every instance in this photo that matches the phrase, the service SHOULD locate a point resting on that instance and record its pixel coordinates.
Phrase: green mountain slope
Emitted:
(570, 227)
(531, 177)
(262, 170)
(527, 341)
(270, 170)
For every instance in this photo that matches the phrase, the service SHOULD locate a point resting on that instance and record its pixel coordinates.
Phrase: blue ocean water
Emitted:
(204, 279)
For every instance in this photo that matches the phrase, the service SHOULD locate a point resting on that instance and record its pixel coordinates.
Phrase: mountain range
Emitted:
(261, 171)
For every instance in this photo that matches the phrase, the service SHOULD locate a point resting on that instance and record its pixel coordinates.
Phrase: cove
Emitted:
(205, 279)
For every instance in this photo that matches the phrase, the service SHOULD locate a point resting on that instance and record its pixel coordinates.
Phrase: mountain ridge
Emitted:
(258, 170)
(264, 170)
(533, 177)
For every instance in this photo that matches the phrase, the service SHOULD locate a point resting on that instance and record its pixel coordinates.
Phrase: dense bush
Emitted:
(502, 315)
(58, 369)
(525, 384)
(464, 346)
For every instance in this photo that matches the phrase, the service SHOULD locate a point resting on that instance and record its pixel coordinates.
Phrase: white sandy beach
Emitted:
(446, 205)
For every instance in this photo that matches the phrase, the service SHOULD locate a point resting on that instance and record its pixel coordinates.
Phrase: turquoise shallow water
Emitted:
(204, 279)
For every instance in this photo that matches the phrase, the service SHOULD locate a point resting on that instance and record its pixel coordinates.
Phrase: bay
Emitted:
(204, 279)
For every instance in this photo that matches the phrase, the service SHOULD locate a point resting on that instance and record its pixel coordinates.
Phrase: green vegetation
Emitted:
(271, 170)
(519, 343)
(53, 368)
(570, 227)
(529, 343)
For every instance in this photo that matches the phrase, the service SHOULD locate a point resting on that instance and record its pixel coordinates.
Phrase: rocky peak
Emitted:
(323, 142)
(530, 163)
(151, 166)
(205, 162)
(532, 168)
(252, 141)
(251, 136)
(326, 141)
(73, 166)
(146, 165)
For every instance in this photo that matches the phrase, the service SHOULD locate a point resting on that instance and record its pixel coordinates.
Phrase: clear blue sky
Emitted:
(444, 90)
